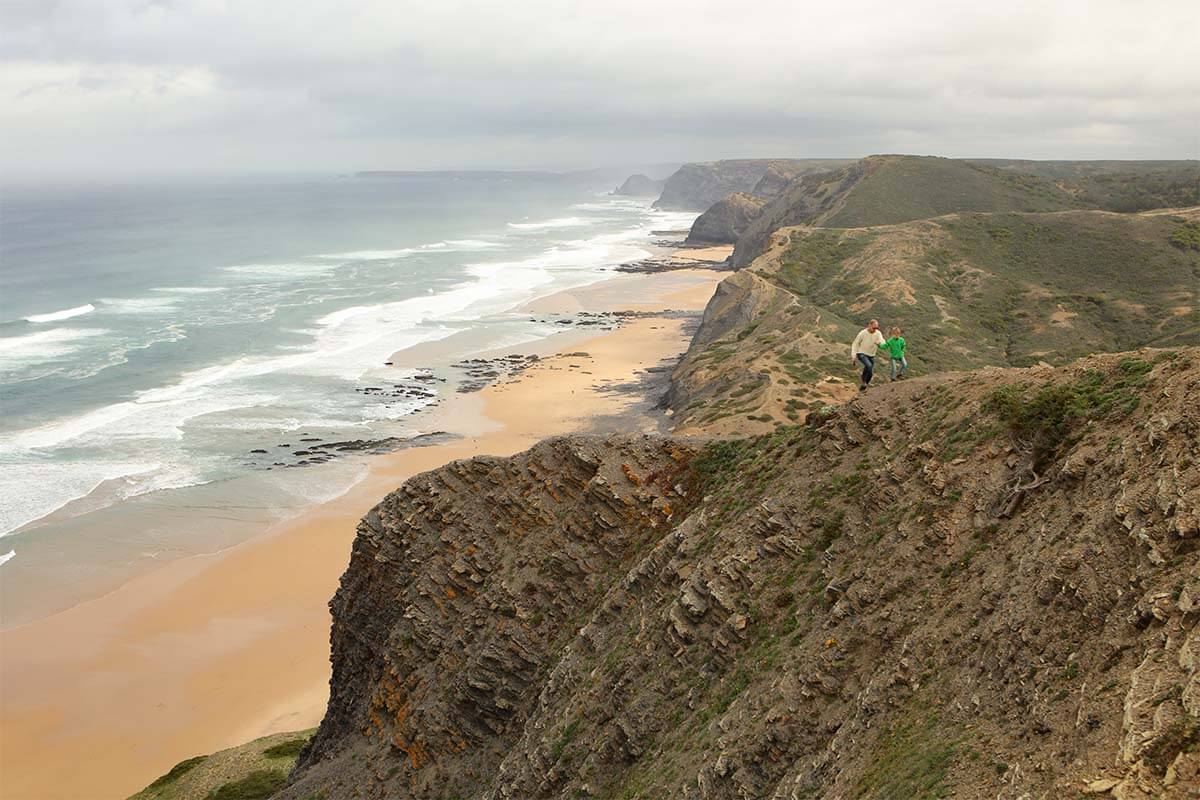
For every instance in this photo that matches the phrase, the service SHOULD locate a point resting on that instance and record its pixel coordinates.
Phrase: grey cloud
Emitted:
(119, 84)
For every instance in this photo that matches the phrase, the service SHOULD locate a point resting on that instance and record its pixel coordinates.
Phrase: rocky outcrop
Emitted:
(912, 595)
(697, 186)
(640, 186)
(776, 178)
(719, 367)
(725, 221)
(801, 201)
(463, 587)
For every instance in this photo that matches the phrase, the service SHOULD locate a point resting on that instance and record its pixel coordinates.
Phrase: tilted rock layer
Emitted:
(725, 221)
(981, 585)
(640, 186)
(698, 185)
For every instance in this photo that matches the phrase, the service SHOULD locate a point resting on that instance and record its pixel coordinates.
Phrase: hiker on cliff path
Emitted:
(863, 351)
(895, 347)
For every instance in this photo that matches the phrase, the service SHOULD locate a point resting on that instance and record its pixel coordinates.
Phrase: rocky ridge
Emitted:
(725, 220)
(640, 186)
(697, 186)
(994, 595)
(891, 189)
(969, 291)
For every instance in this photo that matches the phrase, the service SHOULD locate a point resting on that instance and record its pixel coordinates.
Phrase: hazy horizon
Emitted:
(190, 87)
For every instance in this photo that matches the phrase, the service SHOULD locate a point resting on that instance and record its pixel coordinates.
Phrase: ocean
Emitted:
(154, 335)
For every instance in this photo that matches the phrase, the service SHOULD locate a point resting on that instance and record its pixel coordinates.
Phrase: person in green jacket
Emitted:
(895, 347)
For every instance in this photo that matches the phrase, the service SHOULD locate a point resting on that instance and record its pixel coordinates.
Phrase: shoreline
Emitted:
(214, 650)
(94, 544)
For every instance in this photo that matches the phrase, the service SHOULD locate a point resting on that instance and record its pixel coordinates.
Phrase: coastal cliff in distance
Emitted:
(726, 220)
(640, 185)
(697, 186)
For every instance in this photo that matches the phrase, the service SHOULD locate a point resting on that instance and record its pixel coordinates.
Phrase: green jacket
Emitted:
(895, 346)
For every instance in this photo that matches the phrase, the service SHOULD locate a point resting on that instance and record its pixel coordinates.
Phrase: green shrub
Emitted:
(911, 761)
(258, 785)
(289, 749)
(1045, 418)
(177, 772)
(1187, 236)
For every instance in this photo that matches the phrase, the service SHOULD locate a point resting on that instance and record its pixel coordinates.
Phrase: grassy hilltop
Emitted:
(969, 290)
(888, 189)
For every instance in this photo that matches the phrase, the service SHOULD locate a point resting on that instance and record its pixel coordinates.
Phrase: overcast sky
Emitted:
(248, 85)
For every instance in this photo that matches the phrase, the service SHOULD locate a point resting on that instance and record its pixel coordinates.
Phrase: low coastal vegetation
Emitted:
(256, 770)
(969, 290)
(1124, 186)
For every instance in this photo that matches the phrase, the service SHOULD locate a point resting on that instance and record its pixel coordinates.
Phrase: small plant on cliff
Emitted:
(1042, 421)
(289, 749)
(911, 761)
(1187, 236)
(258, 785)
(177, 772)
(568, 736)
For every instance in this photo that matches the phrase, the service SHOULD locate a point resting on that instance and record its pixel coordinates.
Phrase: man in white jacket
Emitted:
(863, 351)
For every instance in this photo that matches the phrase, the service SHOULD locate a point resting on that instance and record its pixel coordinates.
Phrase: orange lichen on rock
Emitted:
(631, 475)
(417, 755)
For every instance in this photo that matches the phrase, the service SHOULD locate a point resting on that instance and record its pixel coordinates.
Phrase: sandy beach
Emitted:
(211, 651)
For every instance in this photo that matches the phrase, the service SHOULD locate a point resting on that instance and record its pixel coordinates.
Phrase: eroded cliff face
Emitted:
(726, 220)
(978, 586)
(463, 586)
(640, 185)
(735, 379)
(804, 200)
(697, 186)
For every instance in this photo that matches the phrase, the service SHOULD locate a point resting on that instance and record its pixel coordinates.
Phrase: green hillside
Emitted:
(889, 189)
(1117, 185)
(885, 190)
(903, 188)
(969, 290)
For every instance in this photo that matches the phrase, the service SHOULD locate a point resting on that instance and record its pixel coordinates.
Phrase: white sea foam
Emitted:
(190, 289)
(17, 352)
(247, 393)
(138, 305)
(447, 246)
(614, 203)
(66, 313)
(558, 222)
(303, 269)
(81, 369)
(473, 244)
(7, 557)
(34, 489)
(370, 255)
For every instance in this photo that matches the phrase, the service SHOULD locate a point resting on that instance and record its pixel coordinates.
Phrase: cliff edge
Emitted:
(975, 585)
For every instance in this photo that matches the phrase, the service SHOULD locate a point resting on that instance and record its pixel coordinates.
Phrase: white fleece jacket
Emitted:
(866, 343)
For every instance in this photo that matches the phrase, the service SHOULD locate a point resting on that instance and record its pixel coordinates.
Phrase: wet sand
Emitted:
(211, 651)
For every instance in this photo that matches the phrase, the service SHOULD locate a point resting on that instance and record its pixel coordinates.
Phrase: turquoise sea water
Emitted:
(150, 335)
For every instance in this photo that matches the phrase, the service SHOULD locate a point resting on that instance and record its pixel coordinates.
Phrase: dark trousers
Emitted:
(868, 367)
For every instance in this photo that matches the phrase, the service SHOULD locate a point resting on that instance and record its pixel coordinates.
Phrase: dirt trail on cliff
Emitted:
(980, 585)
